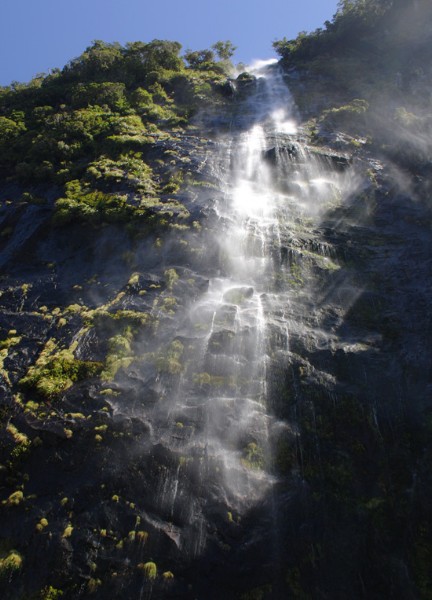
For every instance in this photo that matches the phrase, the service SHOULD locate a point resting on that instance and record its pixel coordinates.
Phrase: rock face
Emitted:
(233, 405)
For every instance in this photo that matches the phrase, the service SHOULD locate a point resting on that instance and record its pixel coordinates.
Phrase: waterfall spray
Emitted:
(217, 428)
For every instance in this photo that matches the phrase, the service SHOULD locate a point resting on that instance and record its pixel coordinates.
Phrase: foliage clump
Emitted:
(68, 530)
(149, 569)
(82, 204)
(353, 22)
(43, 523)
(56, 370)
(93, 585)
(170, 361)
(253, 457)
(365, 70)
(350, 117)
(89, 127)
(51, 593)
(15, 499)
(10, 564)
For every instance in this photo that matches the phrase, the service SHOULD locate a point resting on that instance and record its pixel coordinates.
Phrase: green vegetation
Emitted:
(89, 128)
(43, 523)
(51, 593)
(93, 585)
(351, 474)
(141, 536)
(18, 437)
(349, 117)
(203, 60)
(149, 569)
(366, 72)
(10, 564)
(170, 361)
(68, 531)
(120, 319)
(352, 33)
(128, 168)
(5, 346)
(91, 206)
(56, 370)
(120, 327)
(171, 277)
(15, 499)
(253, 457)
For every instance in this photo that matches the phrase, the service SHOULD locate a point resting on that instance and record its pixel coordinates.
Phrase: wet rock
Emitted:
(220, 342)
(225, 316)
(342, 423)
(275, 154)
(245, 80)
(238, 295)
(339, 162)
(28, 227)
(228, 89)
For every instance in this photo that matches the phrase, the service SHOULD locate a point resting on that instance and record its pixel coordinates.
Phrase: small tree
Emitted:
(197, 58)
(224, 50)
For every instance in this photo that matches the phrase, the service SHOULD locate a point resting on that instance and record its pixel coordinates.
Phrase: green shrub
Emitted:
(253, 457)
(93, 585)
(149, 569)
(56, 371)
(50, 593)
(10, 564)
(91, 206)
(128, 169)
(14, 499)
(350, 117)
(170, 361)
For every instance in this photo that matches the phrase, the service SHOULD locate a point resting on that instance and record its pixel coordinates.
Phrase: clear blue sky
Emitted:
(36, 35)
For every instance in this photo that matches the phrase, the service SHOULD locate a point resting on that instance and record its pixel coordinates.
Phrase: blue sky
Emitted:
(36, 35)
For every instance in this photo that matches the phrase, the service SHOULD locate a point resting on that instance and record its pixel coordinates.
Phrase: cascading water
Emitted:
(222, 429)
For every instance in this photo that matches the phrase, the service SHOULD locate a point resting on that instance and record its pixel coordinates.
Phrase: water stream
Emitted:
(223, 430)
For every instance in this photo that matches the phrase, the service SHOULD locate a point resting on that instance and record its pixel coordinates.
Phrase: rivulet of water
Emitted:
(223, 429)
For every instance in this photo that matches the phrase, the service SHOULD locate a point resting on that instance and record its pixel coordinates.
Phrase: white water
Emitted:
(225, 426)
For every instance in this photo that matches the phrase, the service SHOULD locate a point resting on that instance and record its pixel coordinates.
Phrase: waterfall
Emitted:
(217, 420)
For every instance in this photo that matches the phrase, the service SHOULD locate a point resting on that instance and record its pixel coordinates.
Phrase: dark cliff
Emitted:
(110, 234)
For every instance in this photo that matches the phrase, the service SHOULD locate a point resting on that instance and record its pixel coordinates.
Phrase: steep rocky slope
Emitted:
(107, 488)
